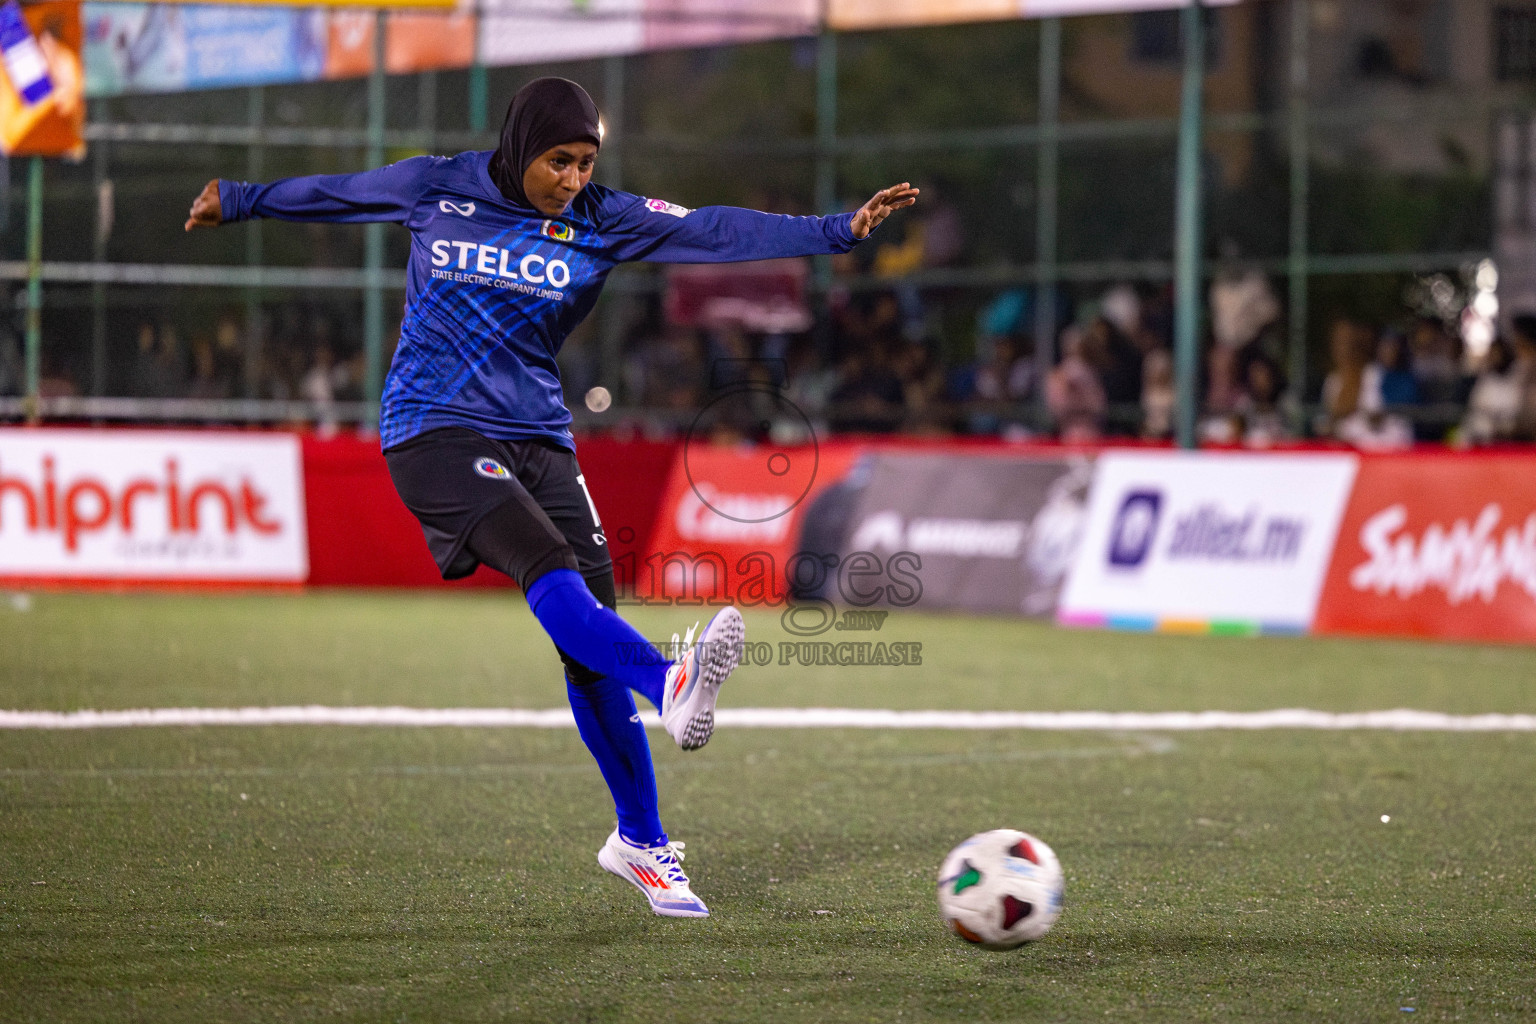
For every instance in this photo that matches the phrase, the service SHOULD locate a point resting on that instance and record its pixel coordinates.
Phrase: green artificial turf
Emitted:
(330, 873)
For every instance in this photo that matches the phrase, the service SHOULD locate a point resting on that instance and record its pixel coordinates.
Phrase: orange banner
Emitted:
(873, 14)
(50, 119)
(412, 42)
(1437, 546)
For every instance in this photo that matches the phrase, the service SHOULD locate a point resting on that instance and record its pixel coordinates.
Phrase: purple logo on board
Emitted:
(1134, 529)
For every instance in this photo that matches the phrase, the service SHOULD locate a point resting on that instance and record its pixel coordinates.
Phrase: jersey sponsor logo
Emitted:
(492, 470)
(462, 209)
(488, 260)
(662, 206)
(557, 230)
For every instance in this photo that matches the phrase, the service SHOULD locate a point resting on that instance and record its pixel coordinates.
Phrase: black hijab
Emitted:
(545, 113)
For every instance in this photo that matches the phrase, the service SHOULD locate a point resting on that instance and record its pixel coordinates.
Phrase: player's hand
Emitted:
(886, 202)
(206, 210)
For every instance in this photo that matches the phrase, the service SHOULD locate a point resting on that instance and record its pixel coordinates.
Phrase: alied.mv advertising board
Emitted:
(1204, 539)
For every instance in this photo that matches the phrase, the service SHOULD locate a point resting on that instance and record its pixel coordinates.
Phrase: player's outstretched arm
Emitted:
(661, 232)
(207, 212)
(383, 194)
(885, 202)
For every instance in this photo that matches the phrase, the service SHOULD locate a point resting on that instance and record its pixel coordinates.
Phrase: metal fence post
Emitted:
(1188, 248)
(477, 77)
(373, 237)
(256, 102)
(1047, 198)
(34, 336)
(826, 139)
(1300, 196)
(826, 122)
(99, 289)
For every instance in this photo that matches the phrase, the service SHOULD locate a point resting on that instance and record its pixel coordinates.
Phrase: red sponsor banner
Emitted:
(1437, 546)
(362, 535)
(730, 520)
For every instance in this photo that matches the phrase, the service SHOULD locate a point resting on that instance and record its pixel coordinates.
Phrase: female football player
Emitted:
(509, 250)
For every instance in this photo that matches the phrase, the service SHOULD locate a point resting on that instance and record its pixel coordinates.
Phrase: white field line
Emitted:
(1401, 720)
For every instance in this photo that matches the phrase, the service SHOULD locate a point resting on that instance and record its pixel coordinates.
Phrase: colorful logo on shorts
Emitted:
(492, 470)
(557, 230)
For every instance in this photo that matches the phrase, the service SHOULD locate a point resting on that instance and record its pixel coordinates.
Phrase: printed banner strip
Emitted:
(1186, 627)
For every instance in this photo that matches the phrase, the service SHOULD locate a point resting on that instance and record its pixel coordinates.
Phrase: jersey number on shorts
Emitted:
(581, 479)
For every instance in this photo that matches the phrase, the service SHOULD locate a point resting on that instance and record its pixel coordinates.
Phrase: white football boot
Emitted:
(693, 681)
(656, 871)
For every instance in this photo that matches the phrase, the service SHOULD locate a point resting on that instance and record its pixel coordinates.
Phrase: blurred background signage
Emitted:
(162, 47)
(42, 109)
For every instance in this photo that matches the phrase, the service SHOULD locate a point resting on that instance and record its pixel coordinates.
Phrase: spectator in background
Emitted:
(158, 370)
(1388, 380)
(1436, 363)
(1524, 370)
(1242, 305)
(171, 363)
(922, 383)
(809, 387)
(1262, 406)
(207, 383)
(1159, 395)
(1073, 393)
(672, 371)
(318, 388)
(1341, 388)
(54, 381)
(145, 379)
(1493, 410)
(1117, 360)
(1009, 375)
(869, 397)
(12, 371)
(229, 357)
(1223, 389)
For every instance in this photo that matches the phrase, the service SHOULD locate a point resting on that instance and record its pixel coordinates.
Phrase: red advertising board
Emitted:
(1437, 546)
(730, 520)
(361, 535)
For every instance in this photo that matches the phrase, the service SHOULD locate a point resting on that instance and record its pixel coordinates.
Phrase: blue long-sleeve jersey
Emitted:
(493, 288)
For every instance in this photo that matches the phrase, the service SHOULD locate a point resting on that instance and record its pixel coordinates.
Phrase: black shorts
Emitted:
(521, 507)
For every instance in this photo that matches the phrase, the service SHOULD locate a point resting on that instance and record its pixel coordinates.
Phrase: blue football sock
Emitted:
(593, 634)
(611, 729)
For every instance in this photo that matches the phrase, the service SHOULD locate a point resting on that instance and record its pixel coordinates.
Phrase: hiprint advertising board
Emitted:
(980, 533)
(152, 507)
(1437, 546)
(1207, 542)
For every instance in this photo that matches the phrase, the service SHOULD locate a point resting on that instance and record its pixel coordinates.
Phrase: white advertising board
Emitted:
(1192, 540)
(537, 31)
(149, 506)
